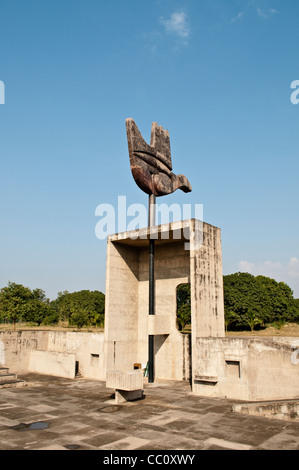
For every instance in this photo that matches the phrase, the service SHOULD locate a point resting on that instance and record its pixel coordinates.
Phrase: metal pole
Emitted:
(151, 356)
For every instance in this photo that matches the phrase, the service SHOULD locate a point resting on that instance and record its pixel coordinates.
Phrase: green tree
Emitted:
(230, 319)
(257, 301)
(51, 316)
(183, 306)
(252, 319)
(13, 301)
(38, 308)
(19, 303)
(92, 302)
(183, 316)
(79, 317)
(295, 310)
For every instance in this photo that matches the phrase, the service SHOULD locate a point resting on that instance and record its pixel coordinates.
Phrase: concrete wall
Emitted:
(121, 302)
(54, 352)
(52, 363)
(246, 368)
(206, 276)
(250, 369)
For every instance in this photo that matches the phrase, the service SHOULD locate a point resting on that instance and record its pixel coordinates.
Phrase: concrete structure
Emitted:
(244, 368)
(188, 251)
(57, 353)
(247, 368)
(238, 368)
(9, 380)
(128, 385)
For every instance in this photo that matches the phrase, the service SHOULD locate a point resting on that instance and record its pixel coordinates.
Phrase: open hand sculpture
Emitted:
(151, 164)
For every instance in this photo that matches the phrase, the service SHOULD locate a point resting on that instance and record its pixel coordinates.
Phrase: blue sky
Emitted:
(216, 73)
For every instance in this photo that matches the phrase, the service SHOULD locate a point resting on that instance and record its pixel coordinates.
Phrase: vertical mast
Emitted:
(151, 223)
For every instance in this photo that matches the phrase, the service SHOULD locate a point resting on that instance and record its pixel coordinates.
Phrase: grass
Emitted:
(63, 326)
(288, 329)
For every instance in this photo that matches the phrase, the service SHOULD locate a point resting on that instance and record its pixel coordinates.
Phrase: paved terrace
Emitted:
(80, 414)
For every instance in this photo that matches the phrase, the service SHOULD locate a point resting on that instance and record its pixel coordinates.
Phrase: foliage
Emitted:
(257, 300)
(183, 316)
(183, 306)
(279, 324)
(19, 303)
(252, 318)
(85, 304)
(230, 319)
(79, 317)
(51, 317)
(249, 301)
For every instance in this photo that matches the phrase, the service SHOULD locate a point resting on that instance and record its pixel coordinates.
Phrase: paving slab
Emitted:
(80, 414)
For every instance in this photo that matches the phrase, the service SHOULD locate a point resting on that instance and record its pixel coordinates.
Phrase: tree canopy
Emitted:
(249, 302)
(19, 303)
(81, 308)
(257, 300)
(183, 306)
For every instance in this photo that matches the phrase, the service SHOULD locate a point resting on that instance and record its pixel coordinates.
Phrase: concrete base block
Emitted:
(128, 385)
(124, 395)
(127, 381)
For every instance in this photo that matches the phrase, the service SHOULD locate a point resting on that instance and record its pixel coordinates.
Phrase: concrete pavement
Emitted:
(53, 413)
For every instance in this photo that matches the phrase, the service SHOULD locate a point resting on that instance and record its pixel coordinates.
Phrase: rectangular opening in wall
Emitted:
(233, 369)
(94, 360)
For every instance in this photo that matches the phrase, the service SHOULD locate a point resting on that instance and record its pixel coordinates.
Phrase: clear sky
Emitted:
(216, 73)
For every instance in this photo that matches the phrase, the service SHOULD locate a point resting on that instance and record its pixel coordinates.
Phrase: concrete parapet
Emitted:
(60, 353)
(246, 368)
(286, 410)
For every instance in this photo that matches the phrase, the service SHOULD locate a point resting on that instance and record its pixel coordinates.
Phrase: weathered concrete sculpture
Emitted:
(151, 164)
